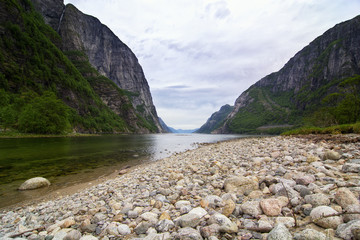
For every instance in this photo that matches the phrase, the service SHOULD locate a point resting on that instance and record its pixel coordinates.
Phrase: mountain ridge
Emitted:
(35, 70)
(105, 51)
(298, 89)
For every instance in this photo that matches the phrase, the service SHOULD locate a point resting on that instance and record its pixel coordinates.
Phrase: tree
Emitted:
(45, 115)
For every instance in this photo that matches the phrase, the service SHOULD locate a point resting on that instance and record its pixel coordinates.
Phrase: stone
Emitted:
(251, 208)
(123, 229)
(142, 227)
(164, 225)
(351, 168)
(271, 207)
(86, 226)
(287, 221)
(60, 235)
(309, 234)
(279, 232)
(165, 215)
(344, 197)
(355, 208)
(346, 230)
(241, 185)
(112, 229)
(305, 180)
(73, 235)
(133, 214)
(34, 183)
(225, 224)
(192, 219)
(332, 155)
(213, 201)
(189, 233)
(150, 217)
(317, 217)
(88, 237)
(229, 207)
(312, 158)
(211, 230)
(318, 199)
(181, 203)
(99, 217)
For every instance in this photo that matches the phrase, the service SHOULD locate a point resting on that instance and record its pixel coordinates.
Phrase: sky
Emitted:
(198, 55)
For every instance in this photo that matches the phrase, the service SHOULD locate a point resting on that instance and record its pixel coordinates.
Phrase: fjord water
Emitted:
(67, 161)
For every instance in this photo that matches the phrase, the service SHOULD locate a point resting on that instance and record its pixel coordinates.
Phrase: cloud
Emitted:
(218, 9)
(200, 55)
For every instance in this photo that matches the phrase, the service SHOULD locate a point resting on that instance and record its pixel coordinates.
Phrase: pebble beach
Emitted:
(279, 187)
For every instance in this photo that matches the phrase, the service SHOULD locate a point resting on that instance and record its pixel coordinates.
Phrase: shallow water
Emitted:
(66, 161)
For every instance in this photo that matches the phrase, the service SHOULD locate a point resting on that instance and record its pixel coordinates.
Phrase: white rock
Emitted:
(33, 183)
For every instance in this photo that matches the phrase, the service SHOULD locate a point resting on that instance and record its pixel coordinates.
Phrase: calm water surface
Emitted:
(68, 161)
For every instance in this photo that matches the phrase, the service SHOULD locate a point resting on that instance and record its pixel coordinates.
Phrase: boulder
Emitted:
(332, 155)
(271, 206)
(241, 185)
(318, 216)
(348, 230)
(34, 183)
(344, 197)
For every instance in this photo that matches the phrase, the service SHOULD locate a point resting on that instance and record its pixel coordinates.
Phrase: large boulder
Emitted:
(34, 183)
(241, 185)
(319, 217)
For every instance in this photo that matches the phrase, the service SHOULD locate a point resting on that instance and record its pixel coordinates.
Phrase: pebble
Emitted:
(279, 232)
(309, 234)
(226, 190)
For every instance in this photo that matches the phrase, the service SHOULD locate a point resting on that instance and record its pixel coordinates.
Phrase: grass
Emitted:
(17, 134)
(337, 129)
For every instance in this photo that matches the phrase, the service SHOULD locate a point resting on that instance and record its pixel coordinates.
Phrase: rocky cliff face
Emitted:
(216, 119)
(285, 96)
(105, 51)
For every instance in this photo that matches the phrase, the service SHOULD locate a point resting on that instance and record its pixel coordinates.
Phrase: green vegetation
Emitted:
(339, 112)
(337, 129)
(44, 114)
(41, 90)
(266, 108)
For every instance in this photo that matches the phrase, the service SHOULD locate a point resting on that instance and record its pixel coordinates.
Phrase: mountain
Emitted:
(72, 60)
(320, 85)
(165, 127)
(216, 119)
(173, 130)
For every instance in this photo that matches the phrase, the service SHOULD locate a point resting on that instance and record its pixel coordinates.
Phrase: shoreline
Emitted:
(139, 202)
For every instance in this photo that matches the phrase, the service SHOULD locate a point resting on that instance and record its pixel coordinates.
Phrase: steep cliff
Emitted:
(297, 90)
(105, 51)
(45, 89)
(216, 120)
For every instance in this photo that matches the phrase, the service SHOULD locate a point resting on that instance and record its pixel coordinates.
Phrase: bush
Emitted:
(44, 115)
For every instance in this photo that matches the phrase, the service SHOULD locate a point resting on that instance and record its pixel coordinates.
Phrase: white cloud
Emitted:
(200, 54)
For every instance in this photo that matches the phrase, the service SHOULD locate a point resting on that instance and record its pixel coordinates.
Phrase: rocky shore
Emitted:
(253, 188)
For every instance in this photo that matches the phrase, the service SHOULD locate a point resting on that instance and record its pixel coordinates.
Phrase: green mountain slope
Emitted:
(34, 71)
(216, 119)
(318, 86)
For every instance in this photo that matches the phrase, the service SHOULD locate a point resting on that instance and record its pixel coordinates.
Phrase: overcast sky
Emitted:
(198, 55)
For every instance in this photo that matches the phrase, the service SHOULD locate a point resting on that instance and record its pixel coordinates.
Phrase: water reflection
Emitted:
(67, 161)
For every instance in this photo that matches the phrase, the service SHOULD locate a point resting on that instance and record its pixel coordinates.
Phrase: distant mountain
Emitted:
(164, 126)
(54, 53)
(173, 130)
(216, 120)
(320, 86)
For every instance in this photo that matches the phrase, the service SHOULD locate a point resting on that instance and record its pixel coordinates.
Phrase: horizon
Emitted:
(217, 49)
